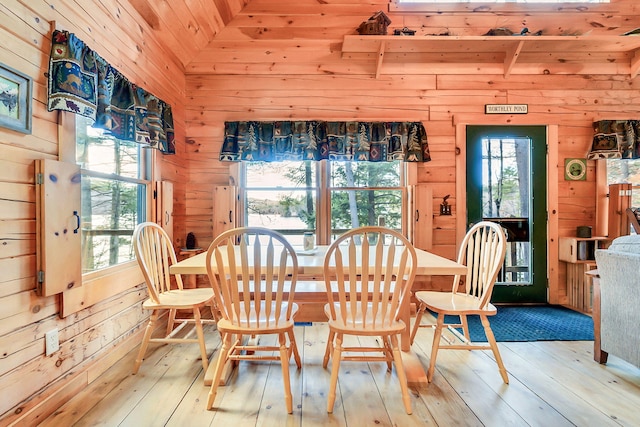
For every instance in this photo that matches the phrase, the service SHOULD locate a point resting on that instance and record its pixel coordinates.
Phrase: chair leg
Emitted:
(284, 362)
(200, 333)
(402, 376)
(388, 351)
(436, 345)
(337, 355)
(419, 312)
(465, 327)
(145, 341)
(494, 347)
(223, 358)
(294, 348)
(172, 320)
(329, 349)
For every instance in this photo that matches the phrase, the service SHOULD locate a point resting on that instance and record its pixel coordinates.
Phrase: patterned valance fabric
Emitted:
(320, 140)
(615, 139)
(82, 82)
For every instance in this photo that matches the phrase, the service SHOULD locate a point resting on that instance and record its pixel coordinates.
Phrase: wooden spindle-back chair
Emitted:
(374, 271)
(155, 254)
(253, 272)
(483, 251)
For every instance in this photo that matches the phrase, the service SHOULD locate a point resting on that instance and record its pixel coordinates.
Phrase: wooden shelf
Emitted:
(586, 54)
(579, 249)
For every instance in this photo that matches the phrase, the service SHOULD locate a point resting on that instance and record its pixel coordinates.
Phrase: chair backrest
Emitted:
(482, 250)
(374, 270)
(253, 272)
(155, 254)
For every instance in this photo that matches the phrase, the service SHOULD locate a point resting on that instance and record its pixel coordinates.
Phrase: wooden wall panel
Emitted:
(27, 376)
(281, 61)
(219, 60)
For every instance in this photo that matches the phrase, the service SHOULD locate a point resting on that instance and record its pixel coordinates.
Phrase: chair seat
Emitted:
(447, 303)
(362, 326)
(261, 324)
(185, 298)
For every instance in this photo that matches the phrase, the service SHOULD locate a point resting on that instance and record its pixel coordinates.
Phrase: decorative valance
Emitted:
(320, 140)
(82, 82)
(615, 139)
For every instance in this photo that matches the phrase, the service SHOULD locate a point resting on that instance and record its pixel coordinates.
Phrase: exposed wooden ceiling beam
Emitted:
(511, 57)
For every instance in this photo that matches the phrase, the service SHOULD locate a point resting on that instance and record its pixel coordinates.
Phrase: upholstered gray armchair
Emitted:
(619, 271)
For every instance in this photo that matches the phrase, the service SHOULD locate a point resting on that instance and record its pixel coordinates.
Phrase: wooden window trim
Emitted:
(100, 284)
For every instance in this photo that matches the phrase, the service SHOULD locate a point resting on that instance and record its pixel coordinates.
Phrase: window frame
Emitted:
(635, 186)
(323, 191)
(144, 174)
(99, 285)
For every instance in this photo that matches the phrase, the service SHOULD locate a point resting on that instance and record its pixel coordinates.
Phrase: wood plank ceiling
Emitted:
(305, 37)
(257, 36)
(185, 27)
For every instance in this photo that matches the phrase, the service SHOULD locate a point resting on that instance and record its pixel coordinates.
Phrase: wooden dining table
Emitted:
(311, 267)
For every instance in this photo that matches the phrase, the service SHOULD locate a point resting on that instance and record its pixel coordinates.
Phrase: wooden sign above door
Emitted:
(506, 108)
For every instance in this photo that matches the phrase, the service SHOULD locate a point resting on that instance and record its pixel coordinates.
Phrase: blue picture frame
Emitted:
(15, 100)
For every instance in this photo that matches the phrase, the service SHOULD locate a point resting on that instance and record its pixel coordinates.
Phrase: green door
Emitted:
(507, 184)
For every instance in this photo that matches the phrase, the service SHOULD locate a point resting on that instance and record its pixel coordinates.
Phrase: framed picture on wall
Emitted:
(15, 100)
(575, 170)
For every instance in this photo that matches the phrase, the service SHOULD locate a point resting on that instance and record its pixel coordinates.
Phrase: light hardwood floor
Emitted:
(551, 384)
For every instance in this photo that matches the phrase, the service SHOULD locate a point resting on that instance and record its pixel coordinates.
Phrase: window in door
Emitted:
(113, 195)
(506, 192)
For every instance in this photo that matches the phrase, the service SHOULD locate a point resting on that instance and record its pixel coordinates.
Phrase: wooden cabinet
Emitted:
(421, 216)
(164, 206)
(579, 249)
(579, 255)
(224, 208)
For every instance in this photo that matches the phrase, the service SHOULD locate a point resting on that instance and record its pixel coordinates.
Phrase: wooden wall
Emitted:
(27, 377)
(275, 59)
(282, 60)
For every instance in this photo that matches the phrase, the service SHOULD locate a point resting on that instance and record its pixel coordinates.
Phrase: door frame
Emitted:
(553, 296)
(536, 292)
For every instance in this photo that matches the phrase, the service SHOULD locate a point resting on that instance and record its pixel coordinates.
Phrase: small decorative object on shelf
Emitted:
(634, 32)
(583, 231)
(376, 25)
(404, 32)
(191, 241)
(499, 32)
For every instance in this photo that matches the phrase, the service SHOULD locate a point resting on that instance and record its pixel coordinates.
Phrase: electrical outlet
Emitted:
(52, 344)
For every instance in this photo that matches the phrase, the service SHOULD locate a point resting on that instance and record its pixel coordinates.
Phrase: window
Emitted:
(290, 196)
(114, 194)
(501, 1)
(365, 193)
(281, 196)
(622, 171)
